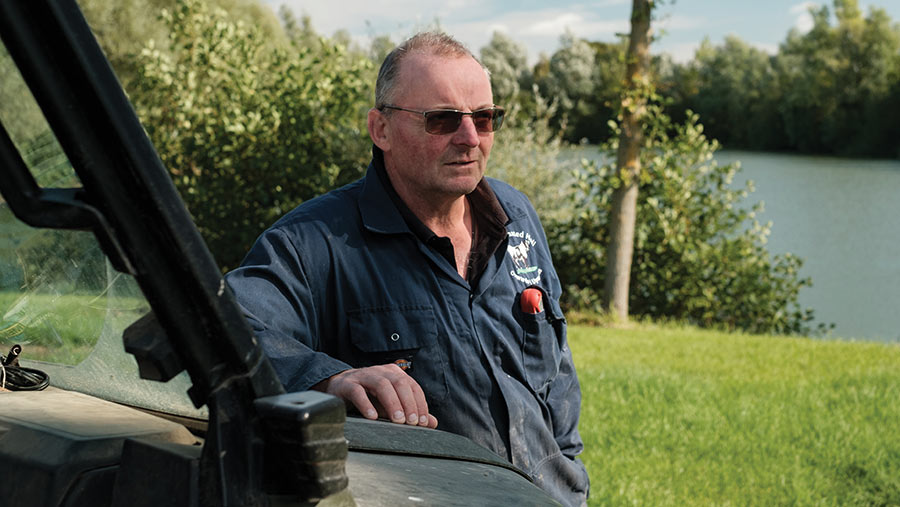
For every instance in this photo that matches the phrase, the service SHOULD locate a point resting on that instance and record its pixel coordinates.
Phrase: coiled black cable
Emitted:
(19, 378)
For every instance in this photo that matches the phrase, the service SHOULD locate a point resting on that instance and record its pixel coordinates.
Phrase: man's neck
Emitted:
(449, 216)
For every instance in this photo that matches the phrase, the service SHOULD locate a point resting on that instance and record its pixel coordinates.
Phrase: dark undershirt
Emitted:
(490, 223)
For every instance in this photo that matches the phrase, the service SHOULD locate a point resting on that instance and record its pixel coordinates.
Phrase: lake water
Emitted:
(842, 216)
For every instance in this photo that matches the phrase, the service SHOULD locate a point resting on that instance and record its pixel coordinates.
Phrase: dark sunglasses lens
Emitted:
(498, 118)
(488, 120)
(446, 122)
(484, 120)
(442, 122)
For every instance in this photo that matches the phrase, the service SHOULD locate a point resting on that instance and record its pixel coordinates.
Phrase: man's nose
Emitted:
(466, 134)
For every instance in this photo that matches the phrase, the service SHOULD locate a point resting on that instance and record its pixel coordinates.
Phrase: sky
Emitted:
(539, 25)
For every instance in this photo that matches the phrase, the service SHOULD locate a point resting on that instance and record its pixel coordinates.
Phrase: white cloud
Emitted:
(770, 48)
(327, 17)
(803, 20)
(673, 22)
(555, 26)
(803, 7)
(538, 29)
(683, 52)
(454, 5)
(498, 27)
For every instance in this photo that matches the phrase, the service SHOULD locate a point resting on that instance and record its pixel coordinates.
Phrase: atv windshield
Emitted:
(60, 298)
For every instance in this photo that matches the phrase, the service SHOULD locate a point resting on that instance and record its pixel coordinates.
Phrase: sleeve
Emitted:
(273, 291)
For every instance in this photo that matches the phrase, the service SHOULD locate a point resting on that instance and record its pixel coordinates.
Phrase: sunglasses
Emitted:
(447, 121)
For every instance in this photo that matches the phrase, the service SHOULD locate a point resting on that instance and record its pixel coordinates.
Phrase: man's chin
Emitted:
(473, 187)
(464, 186)
(466, 182)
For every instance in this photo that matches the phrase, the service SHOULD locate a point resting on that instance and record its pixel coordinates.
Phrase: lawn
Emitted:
(679, 416)
(61, 328)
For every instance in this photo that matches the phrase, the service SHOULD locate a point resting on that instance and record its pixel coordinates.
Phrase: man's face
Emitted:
(431, 166)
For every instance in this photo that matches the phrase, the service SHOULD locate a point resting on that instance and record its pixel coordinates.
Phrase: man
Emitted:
(424, 293)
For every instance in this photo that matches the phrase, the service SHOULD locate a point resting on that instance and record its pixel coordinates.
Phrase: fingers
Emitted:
(358, 397)
(391, 395)
(412, 401)
(344, 386)
(397, 396)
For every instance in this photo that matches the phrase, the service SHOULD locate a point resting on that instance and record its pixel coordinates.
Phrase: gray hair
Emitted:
(428, 43)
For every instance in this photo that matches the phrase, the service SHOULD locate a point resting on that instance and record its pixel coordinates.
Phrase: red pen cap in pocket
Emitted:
(531, 300)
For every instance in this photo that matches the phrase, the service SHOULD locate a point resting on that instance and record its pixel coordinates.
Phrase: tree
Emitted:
(380, 47)
(123, 27)
(21, 118)
(826, 91)
(527, 154)
(599, 107)
(737, 95)
(507, 61)
(248, 131)
(624, 201)
(699, 253)
(568, 77)
(838, 82)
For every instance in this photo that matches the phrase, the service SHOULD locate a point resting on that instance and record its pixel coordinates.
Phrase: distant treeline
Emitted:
(833, 90)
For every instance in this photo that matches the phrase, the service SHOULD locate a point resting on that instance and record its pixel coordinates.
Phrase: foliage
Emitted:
(249, 131)
(527, 154)
(826, 91)
(698, 255)
(837, 79)
(19, 113)
(506, 60)
(680, 416)
(571, 71)
(586, 79)
(737, 95)
(124, 27)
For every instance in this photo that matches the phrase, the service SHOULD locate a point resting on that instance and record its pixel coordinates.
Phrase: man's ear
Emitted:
(379, 130)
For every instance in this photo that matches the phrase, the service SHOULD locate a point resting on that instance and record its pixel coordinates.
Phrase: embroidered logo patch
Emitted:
(524, 269)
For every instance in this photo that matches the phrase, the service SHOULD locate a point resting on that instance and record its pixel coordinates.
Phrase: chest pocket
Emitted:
(542, 337)
(405, 334)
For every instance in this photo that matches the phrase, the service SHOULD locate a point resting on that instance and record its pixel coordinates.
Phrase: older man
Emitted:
(423, 292)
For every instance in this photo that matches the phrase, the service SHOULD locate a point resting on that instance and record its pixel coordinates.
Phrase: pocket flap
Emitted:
(392, 328)
(554, 311)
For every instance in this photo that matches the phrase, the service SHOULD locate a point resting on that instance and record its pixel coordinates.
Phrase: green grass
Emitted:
(679, 416)
(60, 329)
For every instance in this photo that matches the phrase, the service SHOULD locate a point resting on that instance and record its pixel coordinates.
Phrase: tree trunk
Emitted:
(624, 203)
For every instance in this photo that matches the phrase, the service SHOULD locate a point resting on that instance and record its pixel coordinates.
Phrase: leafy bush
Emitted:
(527, 155)
(247, 130)
(699, 255)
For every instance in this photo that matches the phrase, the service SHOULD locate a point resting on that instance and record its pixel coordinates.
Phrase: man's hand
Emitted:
(397, 396)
